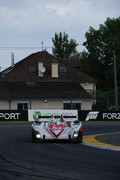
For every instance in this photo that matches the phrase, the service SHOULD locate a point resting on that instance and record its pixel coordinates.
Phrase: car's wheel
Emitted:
(33, 137)
(80, 137)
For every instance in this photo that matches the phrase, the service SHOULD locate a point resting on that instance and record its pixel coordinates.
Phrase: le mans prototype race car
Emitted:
(57, 130)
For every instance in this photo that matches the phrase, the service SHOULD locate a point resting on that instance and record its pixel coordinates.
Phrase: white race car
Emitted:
(57, 130)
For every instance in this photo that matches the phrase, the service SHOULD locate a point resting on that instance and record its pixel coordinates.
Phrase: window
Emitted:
(88, 91)
(32, 69)
(62, 69)
(72, 105)
(22, 106)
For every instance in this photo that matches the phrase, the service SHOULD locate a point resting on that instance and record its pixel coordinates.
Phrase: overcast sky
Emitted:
(28, 23)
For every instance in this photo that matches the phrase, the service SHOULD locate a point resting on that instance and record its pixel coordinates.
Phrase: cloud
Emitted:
(29, 22)
(51, 13)
(58, 8)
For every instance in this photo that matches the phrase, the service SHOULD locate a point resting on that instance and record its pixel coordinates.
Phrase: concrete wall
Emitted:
(48, 104)
(86, 105)
(4, 105)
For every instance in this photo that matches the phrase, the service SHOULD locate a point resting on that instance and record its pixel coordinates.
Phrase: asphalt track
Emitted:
(110, 141)
(21, 159)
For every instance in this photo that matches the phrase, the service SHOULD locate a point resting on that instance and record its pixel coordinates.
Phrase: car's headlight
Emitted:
(75, 134)
(38, 136)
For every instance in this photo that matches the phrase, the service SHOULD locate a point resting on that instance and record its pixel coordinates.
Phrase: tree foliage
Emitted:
(64, 48)
(98, 59)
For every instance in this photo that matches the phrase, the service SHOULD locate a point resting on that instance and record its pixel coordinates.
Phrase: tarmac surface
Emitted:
(20, 158)
(105, 135)
(110, 138)
(108, 141)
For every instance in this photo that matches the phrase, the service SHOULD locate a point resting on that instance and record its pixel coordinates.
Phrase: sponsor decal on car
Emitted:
(57, 129)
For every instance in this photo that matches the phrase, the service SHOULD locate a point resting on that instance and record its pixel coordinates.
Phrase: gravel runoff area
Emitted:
(110, 138)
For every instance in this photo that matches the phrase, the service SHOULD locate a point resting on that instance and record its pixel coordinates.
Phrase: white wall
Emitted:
(86, 105)
(4, 105)
(47, 105)
(36, 104)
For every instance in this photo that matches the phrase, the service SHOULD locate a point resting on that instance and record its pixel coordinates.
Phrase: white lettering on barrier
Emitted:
(92, 115)
(111, 115)
(7, 116)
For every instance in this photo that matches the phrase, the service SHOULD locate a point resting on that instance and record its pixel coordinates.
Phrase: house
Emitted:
(42, 81)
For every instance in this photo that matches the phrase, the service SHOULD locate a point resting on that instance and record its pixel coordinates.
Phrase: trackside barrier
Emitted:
(45, 115)
(13, 115)
(32, 115)
(70, 115)
(99, 115)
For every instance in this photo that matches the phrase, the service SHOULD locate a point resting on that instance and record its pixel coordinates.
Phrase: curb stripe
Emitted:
(91, 141)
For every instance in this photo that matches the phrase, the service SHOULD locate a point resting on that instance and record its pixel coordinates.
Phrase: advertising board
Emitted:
(99, 115)
(69, 115)
(13, 115)
(45, 115)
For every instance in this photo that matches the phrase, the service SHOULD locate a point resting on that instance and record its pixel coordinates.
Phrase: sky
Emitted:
(25, 24)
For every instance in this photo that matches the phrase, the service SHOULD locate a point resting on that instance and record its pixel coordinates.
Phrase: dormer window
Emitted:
(62, 69)
(32, 69)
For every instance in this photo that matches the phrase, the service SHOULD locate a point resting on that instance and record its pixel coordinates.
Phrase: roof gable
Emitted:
(20, 72)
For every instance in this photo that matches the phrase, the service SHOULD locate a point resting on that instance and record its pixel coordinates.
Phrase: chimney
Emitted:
(41, 69)
(12, 59)
(54, 70)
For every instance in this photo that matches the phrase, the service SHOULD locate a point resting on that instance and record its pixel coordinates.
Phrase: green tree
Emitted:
(64, 48)
(100, 44)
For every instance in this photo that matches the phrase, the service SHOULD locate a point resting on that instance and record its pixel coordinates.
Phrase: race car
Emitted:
(58, 129)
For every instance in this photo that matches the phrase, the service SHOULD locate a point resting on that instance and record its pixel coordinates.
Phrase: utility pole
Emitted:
(115, 84)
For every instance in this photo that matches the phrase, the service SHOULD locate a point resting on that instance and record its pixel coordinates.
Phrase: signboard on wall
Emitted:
(70, 115)
(99, 115)
(13, 115)
(45, 115)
